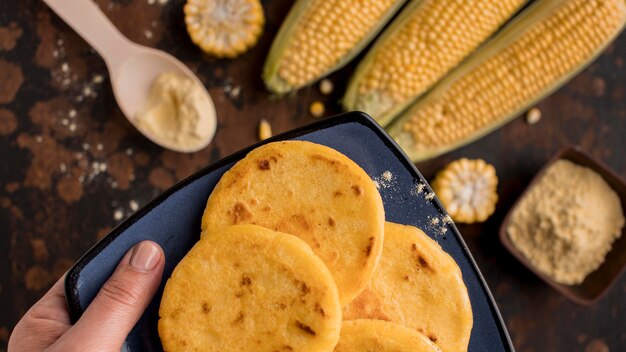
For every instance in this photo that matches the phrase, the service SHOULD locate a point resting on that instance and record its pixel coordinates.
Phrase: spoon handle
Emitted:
(86, 18)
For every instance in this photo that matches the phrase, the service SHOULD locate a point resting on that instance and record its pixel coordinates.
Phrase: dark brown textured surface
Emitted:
(71, 167)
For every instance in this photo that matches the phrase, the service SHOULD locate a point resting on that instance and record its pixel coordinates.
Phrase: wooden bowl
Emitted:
(597, 283)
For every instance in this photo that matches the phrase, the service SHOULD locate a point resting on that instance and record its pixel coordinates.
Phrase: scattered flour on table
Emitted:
(384, 180)
(437, 225)
(419, 189)
(121, 212)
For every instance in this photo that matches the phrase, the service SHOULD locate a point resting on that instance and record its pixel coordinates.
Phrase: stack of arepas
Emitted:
(295, 255)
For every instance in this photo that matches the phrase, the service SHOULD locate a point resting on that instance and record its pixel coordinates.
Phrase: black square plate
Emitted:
(173, 221)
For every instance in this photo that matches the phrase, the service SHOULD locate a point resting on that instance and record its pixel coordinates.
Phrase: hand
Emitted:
(109, 318)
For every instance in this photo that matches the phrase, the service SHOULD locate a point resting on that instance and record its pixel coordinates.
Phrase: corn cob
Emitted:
(534, 55)
(429, 38)
(224, 28)
(321, 36)
(467, 189)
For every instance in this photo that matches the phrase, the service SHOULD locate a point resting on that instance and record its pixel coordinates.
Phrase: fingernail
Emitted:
(145, 256)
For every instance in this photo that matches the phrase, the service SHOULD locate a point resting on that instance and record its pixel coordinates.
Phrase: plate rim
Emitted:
(71, 279)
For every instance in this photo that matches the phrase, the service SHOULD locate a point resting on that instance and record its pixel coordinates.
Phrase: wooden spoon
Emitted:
(132, 67)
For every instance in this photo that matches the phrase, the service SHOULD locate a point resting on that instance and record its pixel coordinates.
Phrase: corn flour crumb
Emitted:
(566, 224)
(385, 180)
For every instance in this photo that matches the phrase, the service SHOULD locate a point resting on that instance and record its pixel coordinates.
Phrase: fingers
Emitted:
(44, 322)
(121, 301)
(52, 305)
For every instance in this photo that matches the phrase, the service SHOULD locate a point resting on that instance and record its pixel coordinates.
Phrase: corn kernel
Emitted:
(533, 116)
(317, 109)
(326, 86)
(265, 130)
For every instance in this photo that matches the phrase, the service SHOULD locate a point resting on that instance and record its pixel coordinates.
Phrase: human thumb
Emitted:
(120, 303)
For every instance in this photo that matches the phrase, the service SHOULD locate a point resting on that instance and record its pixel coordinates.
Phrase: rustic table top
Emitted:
(72, 167)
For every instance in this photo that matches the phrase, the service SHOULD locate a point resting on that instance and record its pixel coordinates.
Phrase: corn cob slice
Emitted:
(224, 28)
(538, 52)
(321, 36)
(429, 38)
(467, 189)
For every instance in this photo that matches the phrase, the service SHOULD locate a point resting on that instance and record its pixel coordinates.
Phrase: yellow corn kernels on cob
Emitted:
(467, 189)
(321, 36)
(224, 28)
(427, 40)
(538, 52)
